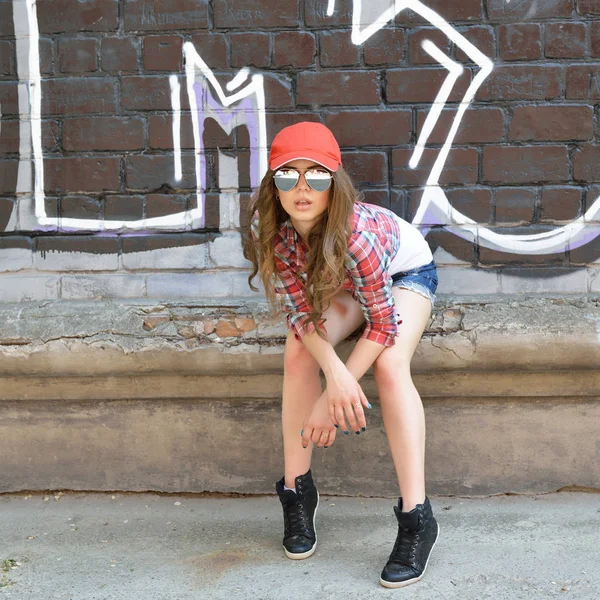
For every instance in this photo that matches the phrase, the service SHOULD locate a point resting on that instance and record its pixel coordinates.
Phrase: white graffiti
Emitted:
(249, 110)
(245, 105)
(367, 19)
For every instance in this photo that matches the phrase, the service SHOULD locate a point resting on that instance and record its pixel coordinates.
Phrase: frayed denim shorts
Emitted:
(422, 280)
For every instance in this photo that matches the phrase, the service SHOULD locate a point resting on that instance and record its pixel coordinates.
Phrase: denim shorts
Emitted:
(422, 280)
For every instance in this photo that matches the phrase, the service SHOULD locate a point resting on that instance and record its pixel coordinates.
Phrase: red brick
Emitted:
(457, 247)
(250, 49)
(586, 163)
(77, 55)
(145, 243)
(6, 19)
(423, 85)
(473, 202)
(7, 205)
(294, 49)
(10, 136)
(525, 164)
(119, 54)
(338, 88)
(163, 53)
(278, 90)
(522, 83)
(377, 197)
(8, 175)
(212, 48)
(371, 128)
(117, 207)
(588, 7)
(315, 14)
(488, 256)
(460, 167)
(560, 203)
(583, 82)
(566, 40)
(160, 15)
(337, 50)
(250, 13)
(103, 133)
(277, 121)
(477, 125)
(552, 123)
(80, 207)
(501, 10)
(368, 168)
(465, 10)
(159, 205)
(153, 171)
(58, 16)
(9, 100)
(7, 58)
(385, 48)
(522, 41)
(416, 53)
(595, 38)
(78, 96)
(81, 174)
(150, 92)
(46, 47)
(514, 205)
(481, 37)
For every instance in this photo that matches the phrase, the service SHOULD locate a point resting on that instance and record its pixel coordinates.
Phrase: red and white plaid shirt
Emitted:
(374, 242)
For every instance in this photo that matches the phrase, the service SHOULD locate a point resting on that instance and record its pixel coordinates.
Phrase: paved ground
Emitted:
(82, 546)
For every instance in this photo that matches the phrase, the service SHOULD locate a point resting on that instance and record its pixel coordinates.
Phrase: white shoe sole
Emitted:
(300, 556)
(399, 584)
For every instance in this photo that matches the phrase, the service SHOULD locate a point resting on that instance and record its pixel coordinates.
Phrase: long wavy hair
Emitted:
(327, 243)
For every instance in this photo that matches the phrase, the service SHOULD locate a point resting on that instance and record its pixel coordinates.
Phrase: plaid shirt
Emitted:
(373, 244)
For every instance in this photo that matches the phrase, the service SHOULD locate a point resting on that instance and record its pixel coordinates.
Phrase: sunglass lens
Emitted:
(286, 180)
(318, 180)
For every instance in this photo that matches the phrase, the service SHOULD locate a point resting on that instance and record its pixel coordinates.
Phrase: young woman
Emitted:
(334, 262)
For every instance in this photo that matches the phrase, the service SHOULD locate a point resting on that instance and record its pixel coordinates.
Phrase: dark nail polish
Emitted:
(337, 426)
(358, 433)
(346, 432)
(364, 428)
(302, 432)
(325, 446)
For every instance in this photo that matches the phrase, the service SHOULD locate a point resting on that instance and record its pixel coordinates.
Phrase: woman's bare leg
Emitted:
(301, 383)
(401, 406)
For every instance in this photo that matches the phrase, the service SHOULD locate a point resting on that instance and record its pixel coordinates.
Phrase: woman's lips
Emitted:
(303, 204)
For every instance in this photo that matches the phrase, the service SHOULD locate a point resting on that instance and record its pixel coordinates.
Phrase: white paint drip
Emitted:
(454, 72)
(330, 8)
(176, 105)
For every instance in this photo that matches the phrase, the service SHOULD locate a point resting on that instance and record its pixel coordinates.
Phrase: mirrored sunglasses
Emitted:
(318, 179)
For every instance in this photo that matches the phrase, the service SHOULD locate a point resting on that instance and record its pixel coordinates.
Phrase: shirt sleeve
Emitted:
(290, 289)
(367, 262)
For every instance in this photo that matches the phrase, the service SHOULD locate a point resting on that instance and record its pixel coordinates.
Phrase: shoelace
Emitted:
(297, 520)
(404, 551)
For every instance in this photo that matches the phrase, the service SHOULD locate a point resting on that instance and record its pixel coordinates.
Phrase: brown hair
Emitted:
(327, 243)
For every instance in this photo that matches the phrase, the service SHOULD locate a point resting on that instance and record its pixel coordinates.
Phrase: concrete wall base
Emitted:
(511, 397)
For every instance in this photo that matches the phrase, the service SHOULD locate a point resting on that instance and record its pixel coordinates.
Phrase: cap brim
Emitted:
(322, 159)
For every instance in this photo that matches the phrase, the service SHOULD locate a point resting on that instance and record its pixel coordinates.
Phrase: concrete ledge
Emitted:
(141, 395)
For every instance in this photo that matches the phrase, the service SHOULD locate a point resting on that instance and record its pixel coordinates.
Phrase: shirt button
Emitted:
(375, 305)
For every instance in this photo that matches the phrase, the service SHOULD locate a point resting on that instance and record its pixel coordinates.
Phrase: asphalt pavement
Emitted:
(148, 546)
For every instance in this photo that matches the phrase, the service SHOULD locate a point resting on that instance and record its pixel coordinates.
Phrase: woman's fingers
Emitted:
(360, 417)
(340, 419)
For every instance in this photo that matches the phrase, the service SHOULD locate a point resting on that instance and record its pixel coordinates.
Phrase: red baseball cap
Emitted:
(307, 140)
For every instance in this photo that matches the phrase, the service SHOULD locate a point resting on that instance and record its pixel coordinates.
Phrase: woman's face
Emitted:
(303, 204)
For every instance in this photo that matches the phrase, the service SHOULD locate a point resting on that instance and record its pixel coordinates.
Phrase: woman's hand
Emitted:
(346, 400)
(318, 427)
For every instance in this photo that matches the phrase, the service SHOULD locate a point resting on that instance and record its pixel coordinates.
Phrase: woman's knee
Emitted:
(389, 366)
(297, 360)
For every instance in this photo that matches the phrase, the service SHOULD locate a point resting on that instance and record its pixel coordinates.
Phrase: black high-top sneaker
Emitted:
(299, 510)
(417, 534)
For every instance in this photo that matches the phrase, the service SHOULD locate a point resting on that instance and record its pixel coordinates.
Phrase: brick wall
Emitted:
(500, 172)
